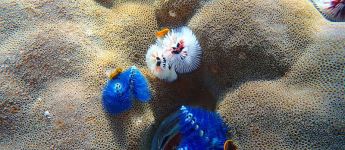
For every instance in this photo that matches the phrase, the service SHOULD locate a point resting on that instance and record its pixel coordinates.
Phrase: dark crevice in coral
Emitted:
(207, 86)
(118, 126)
(121, 122)
(105, 3)
(241, 65)
(172, 14)
(187, 90)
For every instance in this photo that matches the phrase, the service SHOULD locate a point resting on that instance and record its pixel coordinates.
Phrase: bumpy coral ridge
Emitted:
(276, 67)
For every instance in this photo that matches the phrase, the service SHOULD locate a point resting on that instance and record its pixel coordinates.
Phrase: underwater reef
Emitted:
(274, 70)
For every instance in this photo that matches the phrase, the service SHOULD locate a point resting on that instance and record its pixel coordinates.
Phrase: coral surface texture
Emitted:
(274, 70)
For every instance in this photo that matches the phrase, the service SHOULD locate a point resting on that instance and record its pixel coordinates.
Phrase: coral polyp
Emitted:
(120, 90)
(175, 51)
(333, 10)
(191, 128)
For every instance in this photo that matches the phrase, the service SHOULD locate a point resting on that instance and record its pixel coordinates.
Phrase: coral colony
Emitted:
(333, 10)
(192, 129)
(175, 51)
(122, 87)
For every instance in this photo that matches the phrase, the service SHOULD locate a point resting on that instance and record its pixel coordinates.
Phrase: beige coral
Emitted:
(63, 65)
(301, 110)
(276, 67)
(247, 40)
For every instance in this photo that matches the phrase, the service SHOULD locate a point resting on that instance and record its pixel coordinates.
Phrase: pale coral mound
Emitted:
(302, 110)
(248, 40)
(274, 69)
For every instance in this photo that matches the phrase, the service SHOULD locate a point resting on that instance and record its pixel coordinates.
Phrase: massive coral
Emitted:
(301, 110)
(251, 40)
(273, 69)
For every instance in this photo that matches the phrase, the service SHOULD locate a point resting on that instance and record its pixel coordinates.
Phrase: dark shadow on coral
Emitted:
(105, 3)
(121, 122)
(243, 64)
(187, 90)
(207, 86)
(173, 14)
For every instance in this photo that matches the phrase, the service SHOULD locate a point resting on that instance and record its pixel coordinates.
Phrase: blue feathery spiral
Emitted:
(140, 86)
(197, 129)
(119, 91)
(201, 129)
